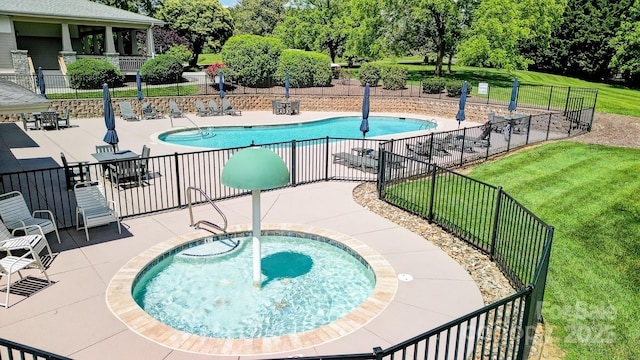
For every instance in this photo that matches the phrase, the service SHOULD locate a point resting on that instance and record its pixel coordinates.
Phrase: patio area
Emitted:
(71, 317)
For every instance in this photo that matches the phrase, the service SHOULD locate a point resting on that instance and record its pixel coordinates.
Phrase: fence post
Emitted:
(528, 130)
(488, 93)
(550, 97)
(464, 136)
(528, 329)
(566, 103)
(496, 221)
(326, 159)
(593, 109)
(549, 126)
(178, 192)
(293, 163)
(433, 192)
(381, 173)
(377, 351)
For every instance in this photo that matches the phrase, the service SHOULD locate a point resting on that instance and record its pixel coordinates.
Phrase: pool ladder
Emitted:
(223, 228)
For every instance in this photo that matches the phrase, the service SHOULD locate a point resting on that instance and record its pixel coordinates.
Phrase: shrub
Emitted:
(432, 85)
(162, 69)
(251, 59)
(180, 52)
(369, 74)
(393, 77)
(92, 73)
(454, 88)
(212, 70)
(306, 68)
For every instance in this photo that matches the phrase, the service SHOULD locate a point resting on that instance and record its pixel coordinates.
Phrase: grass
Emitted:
(168, 90)
(593, 289)
(613, 99)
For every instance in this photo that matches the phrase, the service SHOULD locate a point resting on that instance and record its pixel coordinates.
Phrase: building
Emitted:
(53, 33)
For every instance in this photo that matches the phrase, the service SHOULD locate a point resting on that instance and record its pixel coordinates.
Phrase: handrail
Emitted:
(62, 65)
(205, 222)
(200, 130)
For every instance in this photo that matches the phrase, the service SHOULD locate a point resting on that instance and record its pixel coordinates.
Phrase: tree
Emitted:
(626, 43)
(319, 23)
(144, 7)
(204, 23)
(502, 28)
(257, 17)
(581, 44)
(365, 29)
(425, 26)
(163, 39)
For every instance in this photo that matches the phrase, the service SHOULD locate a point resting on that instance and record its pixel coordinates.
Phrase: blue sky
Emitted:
(228, 3)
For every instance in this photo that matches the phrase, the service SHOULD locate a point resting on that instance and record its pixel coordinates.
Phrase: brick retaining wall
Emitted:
(92, 108)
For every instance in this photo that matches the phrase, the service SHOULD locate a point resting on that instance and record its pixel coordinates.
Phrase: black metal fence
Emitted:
(479, 213)
(530, 96)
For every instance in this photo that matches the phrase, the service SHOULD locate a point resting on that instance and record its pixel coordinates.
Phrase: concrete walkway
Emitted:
(71, 316)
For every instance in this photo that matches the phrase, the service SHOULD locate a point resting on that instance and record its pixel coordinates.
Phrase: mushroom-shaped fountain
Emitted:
(255, 169)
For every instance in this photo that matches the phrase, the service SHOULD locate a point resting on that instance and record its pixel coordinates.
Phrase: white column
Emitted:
(120, 43)
(150, 46)
(109, 46)
(134, 42)
(66, 38)
(257, 256)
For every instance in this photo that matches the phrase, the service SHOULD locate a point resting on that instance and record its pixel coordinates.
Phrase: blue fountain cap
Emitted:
(255, 168)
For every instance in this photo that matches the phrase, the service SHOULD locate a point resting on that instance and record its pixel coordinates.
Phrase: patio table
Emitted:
(115, 156)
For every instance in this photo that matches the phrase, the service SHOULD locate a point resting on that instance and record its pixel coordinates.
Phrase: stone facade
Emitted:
(113, 59)
(68, 57)
(20, 60)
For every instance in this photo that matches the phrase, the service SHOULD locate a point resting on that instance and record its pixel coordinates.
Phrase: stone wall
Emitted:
(92, 108)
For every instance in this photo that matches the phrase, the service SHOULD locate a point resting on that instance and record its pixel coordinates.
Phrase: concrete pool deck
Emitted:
(71, 317)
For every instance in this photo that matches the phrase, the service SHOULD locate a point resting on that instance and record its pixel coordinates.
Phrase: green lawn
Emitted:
(590, 193)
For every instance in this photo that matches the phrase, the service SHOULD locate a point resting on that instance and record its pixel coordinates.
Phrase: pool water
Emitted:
(306, 284)
(339, 127)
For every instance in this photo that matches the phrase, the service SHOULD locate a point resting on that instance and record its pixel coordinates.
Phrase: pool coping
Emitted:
(120, 301)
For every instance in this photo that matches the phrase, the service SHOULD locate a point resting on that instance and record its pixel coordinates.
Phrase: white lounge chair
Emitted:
(202, 110)
(126, 111)
(11, 242)
(93, 208)
(10, 265)
(174, 110)
(16, 216)
(214, 109)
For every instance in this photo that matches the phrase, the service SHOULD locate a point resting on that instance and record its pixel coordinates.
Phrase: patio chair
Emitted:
(126, 111)
(295, 107)
(75, 171)
(10, 265)
(106, 148)
(202, 110)
(125, 172)
(228, 109)
(26, 121)
(11, 242)
(148, 112)
(49, 120)
(366, 163)
(214, 109)
(92, 208)
(144, 162)
(16, 215)
(64, 120)
(174, 110)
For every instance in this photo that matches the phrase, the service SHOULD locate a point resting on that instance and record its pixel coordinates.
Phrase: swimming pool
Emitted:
(338, 127)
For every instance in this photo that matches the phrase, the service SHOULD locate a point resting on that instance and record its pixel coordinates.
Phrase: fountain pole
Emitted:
(257, 258)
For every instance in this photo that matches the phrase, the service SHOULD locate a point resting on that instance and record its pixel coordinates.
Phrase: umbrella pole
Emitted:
(257, 257)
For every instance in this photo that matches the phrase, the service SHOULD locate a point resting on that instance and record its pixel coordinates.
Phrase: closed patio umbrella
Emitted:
(514, 95)
(41, 84)
(221, 84)
(139, 85)
(111, 137)
(286, 85)
(364, 125)
(463, 100)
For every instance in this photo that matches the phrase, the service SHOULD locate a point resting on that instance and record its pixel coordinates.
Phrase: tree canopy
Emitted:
(204, 23)
(257, 17)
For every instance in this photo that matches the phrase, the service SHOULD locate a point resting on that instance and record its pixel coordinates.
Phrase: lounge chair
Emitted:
(148, 112)
(11, 242)
(10, 265)
(202, 110)
(16, 215)
(93, 208)
(366, 163)
(226, 107)
(436, 146)
(77, 171)
(126, 112)
(419, 150)
(174, 110)
(26, 121)
(64, 120)
(214, 109)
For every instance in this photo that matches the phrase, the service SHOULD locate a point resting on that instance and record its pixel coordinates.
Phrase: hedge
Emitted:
(251, 59)
(305, 68)
(163, 69)
(369, 74)
(393, 77)
(92, 73)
